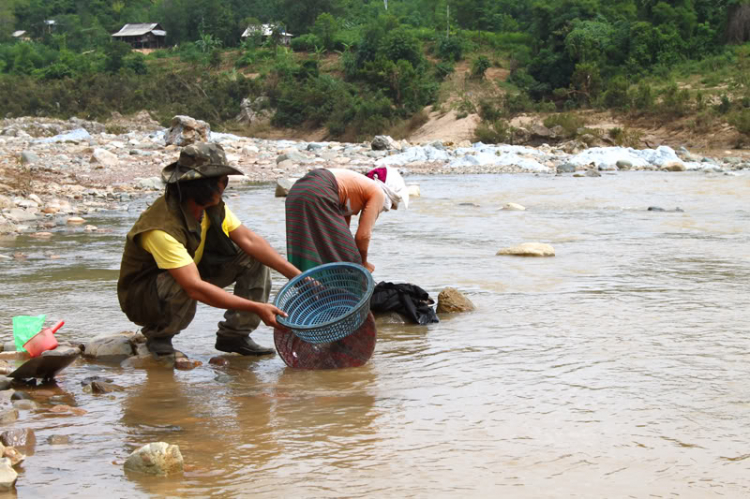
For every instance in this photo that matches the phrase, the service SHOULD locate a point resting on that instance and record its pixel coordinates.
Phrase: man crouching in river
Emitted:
(186, 247)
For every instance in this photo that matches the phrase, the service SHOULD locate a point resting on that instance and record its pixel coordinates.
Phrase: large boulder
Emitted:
(452, 300)
(158, 458)
(185, 130)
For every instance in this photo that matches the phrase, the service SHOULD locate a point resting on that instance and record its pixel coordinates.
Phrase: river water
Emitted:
(618, 368)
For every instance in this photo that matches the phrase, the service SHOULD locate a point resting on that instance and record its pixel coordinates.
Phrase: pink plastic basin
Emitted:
(43, 340)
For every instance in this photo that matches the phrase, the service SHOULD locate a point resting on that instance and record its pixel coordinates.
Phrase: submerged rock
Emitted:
(158, 458)
(528, 249)
(117, 345)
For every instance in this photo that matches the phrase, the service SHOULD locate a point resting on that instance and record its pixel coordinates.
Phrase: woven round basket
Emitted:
(326, 303)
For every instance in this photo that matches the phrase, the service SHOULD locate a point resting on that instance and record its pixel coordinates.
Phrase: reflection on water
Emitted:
(615, 369)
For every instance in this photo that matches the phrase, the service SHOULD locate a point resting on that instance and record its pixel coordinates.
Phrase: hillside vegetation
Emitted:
(356, 69)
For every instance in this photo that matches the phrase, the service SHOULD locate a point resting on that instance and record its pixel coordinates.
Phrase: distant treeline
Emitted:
(566, 52)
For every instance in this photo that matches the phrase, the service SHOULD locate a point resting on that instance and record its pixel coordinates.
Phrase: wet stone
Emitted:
(25, 405)
(451, 300)
(15, 456)
(19, 437)
(8, 416)
(91, 379)
(185, 364)
(8, 475)
(218, 361)
(5, 383)
(21, 396)
(62, 409)
(58, 440)
(158, 458)
(99, 387)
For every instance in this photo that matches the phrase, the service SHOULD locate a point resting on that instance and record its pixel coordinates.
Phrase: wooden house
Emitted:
(142, 36)
(266, 31)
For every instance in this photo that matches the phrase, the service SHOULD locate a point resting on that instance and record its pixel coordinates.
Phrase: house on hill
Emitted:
(142, 36)
(266, 31)
(21, 35)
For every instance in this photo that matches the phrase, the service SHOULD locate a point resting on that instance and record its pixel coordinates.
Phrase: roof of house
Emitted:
(265, 29)
(19, 33)
(141, 29)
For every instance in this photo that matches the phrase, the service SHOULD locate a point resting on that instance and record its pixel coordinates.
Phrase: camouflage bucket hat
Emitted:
(199, 160)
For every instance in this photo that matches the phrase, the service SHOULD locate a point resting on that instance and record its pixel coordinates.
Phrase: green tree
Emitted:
(326, 27)
(115, 54)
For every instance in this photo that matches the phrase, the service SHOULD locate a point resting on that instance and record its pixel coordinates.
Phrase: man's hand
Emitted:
(268, 312)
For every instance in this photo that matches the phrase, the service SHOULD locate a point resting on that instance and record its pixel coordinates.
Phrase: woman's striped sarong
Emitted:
(316, 228)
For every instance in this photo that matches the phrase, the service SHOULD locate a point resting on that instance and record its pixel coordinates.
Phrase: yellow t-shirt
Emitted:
(170, 254)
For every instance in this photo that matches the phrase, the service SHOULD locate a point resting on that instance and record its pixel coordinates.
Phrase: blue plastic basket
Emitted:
(326, 303)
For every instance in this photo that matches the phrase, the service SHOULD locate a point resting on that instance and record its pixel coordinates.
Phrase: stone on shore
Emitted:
(185, 130)
(451, 300)
(28, 157)
(283, 186)
(383, 143)
(158, 458)
(528, 249)
(101, 158)
(513, 207)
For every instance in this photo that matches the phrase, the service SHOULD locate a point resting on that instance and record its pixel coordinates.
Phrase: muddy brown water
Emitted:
(618, 368)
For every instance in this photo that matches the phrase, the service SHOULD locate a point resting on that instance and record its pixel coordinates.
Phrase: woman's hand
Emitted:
(369, 266)
(268, 312)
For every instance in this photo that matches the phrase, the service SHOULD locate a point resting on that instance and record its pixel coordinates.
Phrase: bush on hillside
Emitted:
(479, 66)
(495, 132)
(450, 48)
(306, 43)
(442, 70)
(569, 122)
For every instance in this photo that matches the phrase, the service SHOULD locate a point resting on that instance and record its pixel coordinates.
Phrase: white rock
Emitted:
(75, 221)
(104, 158)
(413, 190)
(513, 207)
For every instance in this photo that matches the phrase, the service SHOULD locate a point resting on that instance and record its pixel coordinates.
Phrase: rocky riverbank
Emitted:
(55, 172)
